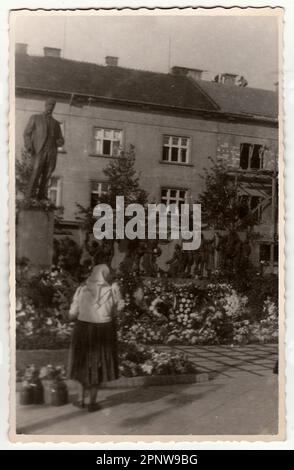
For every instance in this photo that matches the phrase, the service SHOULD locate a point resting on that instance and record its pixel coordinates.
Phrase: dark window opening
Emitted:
(174, 154)
(165, 151)
(106, 147)
(183, 155)
(265, 253)
(256, 159)
(94, 200)
(251, 156)
(98, 189)
(249, 204)
(244, 156)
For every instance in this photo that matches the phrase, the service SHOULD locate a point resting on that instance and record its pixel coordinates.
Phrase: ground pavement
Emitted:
(242, 399)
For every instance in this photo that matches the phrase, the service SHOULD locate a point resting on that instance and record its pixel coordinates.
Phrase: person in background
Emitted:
(209, 257)
(175, 262)
(93, 356)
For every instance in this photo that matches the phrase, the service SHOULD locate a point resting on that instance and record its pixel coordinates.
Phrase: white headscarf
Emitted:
(97, 283)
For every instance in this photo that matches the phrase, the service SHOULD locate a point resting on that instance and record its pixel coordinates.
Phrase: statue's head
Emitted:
(50, 105)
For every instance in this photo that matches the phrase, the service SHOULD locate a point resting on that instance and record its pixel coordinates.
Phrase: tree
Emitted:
(23, 169)
(123, 180)
(221, 206)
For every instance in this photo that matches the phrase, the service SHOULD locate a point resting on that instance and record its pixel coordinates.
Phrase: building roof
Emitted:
(234, 99)
(54, 74)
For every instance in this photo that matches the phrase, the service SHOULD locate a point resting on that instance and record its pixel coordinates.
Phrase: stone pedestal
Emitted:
(34, 237)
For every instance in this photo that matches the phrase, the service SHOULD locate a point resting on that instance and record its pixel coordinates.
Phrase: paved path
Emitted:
(228, 361)
(242, 399)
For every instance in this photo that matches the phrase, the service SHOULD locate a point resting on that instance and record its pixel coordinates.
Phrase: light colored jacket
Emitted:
(85, 307)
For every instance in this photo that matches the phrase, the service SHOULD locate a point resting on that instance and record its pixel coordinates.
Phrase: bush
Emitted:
(42, 306)
(136, 359)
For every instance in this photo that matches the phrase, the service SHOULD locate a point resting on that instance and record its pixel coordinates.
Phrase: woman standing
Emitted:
(93, 351)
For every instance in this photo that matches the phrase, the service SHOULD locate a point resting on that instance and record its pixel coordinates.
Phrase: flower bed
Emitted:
(41, 309)
(155, 312)
(142, 360)
(134, 360)
(186, 314)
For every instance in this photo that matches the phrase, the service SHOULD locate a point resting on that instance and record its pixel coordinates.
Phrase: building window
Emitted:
(62, 127)
(98, 189)
(251, 156)
(107, 142)
(251, 204)
(176, 149)
(265, 253)
(54, 190)
(174, 196)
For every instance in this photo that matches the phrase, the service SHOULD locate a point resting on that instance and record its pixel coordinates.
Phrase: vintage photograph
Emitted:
(146, 228)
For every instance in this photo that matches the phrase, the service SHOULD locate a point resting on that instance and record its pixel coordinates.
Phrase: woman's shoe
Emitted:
(94, 407)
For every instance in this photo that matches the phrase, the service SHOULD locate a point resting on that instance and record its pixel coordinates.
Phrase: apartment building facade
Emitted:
(175, 122)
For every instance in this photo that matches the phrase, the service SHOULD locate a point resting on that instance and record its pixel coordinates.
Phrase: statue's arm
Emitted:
(27, 135)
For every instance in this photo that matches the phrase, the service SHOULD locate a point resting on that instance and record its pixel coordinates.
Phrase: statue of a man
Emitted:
(42, 137)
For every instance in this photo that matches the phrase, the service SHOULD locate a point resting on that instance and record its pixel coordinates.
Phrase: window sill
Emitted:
(176, 163)
(252, 170)
(102, 156)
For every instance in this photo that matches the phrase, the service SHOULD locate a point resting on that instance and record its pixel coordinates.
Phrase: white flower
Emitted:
(148, 368)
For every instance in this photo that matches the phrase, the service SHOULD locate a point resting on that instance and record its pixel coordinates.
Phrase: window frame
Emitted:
(98, 192)
(179, 146)
(251, 149)
(57, 188)
(102, 139)
(171, 199)
(62, 127)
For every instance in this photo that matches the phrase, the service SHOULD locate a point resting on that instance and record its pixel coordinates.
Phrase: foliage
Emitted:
(23, 170)
(155, 312)
(43, 301)
(134, 359)
(185, 314)
(220, 205)
(67, 255)
(50, 372)
(255, 285)
(123, 180)
(268, 325)
(140, 360)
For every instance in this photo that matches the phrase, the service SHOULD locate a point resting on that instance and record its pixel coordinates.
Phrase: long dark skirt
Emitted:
(93, 354)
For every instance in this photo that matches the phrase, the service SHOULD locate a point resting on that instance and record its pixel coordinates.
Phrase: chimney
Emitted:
(21, 48)
(228, 78)
(111, 61)
(51, 52)
(195, 74)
